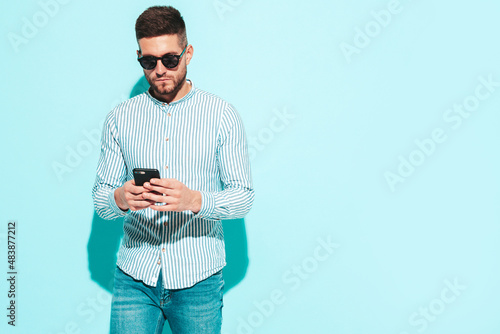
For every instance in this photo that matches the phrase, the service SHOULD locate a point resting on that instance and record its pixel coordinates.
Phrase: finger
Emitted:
(133, 197)
(153, 192)
(136, 190)
(132, 186)
(167, 183)
(158, 198)
(141, 200)
(159, 190)
(166, 207)
(139, 205)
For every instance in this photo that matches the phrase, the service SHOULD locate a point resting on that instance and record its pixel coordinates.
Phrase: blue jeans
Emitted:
(138, 308)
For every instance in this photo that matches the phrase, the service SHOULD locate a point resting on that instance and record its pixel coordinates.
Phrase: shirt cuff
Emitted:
(207, 205)
(114, 206)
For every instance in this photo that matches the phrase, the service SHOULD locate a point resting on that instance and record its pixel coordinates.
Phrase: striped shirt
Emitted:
(198, 140)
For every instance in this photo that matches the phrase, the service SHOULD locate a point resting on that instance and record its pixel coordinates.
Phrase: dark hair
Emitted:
(161, 20)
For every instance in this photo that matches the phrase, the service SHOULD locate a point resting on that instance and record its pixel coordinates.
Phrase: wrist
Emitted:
(120, 202)
(196, 202)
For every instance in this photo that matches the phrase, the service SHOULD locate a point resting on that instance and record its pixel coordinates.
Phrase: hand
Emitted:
(130, 196)
(175, 195)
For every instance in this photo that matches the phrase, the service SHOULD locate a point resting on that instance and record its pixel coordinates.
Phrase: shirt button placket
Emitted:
(165, 108)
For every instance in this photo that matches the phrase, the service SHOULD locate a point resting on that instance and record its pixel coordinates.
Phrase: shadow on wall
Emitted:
(106, 235)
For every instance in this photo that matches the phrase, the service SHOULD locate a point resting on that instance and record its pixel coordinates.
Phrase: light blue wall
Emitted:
(373, 130)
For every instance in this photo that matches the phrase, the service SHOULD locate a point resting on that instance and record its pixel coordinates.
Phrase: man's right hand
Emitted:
(129, 196)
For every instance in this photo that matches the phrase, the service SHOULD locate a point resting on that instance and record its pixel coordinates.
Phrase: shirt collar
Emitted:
(183, 99)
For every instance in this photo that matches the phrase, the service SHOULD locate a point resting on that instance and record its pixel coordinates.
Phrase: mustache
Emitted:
(164, 76)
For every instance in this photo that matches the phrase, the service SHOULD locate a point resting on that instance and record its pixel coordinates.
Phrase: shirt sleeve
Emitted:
(111, 172)
(236, 198)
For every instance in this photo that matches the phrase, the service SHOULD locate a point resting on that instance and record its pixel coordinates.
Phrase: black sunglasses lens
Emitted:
(148, 63)
(170, 61)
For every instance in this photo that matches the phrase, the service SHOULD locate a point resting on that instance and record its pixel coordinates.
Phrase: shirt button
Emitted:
(165, 223)
(158, 262)
(163, 104)
(166, 139)
(169, 114)
(163, 250)
(166, 167)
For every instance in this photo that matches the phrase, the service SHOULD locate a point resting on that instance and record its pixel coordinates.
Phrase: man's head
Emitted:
(161, 20)
(161, 33)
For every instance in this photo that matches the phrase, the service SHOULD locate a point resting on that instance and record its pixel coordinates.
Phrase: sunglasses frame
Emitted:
(164, 59)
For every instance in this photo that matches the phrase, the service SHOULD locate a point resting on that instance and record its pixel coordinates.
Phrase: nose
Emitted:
(160, 69)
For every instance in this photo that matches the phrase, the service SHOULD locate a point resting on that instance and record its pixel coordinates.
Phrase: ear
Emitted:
(189, 54)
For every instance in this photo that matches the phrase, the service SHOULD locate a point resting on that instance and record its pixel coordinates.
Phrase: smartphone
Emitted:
(142, 175)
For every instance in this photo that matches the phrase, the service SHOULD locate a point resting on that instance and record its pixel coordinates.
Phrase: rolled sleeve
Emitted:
(207, 205)
(111, 173)
(112, 204)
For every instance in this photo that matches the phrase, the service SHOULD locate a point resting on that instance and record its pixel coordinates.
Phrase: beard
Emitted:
(168, 87)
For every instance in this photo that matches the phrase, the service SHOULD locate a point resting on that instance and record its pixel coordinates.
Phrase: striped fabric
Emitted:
(198, 140)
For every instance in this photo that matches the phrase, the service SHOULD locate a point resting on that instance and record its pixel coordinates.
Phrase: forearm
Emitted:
(105, 204)
(231, 203)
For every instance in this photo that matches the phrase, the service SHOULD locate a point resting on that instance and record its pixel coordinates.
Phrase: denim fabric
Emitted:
(137, 308)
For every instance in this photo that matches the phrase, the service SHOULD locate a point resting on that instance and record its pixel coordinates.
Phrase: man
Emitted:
(172, 253)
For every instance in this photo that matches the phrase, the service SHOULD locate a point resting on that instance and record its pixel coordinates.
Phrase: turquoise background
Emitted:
(320, 173)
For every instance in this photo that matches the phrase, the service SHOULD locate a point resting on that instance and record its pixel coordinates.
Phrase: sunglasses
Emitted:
(168, 60)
